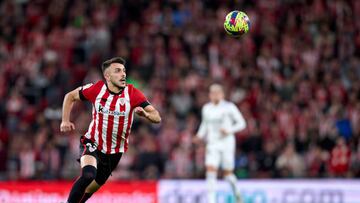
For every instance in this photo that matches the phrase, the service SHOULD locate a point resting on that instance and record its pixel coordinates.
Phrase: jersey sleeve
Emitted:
(203, 126)
(138, 99)
(88, 92)
(238, 119)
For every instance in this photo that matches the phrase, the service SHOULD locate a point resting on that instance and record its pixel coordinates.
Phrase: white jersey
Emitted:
(224, 115)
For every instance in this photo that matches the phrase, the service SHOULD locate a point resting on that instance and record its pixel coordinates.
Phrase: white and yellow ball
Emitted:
(237, 23)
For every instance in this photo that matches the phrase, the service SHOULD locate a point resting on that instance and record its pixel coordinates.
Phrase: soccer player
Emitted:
(114, 103)
(220, 120)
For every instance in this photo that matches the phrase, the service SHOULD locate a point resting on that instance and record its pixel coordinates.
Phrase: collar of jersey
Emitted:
(220, 102)
(114, 93)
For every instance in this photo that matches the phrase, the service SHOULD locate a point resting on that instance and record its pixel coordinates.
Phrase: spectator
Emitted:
(266, 160)
(316, 161)
(290, 163)
(340, 159)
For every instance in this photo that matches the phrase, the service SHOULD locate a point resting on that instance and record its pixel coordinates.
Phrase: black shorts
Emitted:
(106, 163)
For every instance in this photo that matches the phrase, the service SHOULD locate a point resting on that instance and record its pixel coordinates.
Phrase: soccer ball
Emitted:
(237, 23)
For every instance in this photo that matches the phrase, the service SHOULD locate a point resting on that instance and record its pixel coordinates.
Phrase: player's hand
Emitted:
(66, 126)
(141, 112)
(224, 132)
(196, 140)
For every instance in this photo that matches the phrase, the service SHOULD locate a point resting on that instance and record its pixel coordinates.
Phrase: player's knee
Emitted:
(228, 172)
(88, 173)
(211, 168)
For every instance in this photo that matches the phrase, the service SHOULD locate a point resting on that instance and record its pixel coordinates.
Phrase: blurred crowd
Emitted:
(295, 77)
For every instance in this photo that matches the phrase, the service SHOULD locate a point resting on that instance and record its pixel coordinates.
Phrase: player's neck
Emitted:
(216, 102)
(113, 89)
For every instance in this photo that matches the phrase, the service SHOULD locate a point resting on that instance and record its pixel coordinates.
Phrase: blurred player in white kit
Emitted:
(221, 119)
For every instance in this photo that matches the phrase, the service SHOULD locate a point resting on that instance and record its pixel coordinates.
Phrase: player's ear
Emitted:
(106, 74)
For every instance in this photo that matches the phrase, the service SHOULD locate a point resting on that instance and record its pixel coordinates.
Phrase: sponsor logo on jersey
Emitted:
(122, 101)
(104, 110)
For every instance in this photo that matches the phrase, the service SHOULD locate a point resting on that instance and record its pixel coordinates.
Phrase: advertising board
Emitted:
(38, 192)
(264, 191)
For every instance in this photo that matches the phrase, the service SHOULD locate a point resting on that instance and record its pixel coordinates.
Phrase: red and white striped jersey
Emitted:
(112, 115)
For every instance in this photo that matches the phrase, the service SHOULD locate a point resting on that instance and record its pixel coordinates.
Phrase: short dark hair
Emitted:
(107, 63)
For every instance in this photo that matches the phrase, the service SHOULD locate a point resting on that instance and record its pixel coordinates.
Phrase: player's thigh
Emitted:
(212, 158)
(86, 160)
(228, 160)
(88, 154)
(106, 165)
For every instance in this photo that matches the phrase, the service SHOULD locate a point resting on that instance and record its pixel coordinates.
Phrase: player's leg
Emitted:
(212, 160)
(88, 174)
(211, 175)
(88, 163)
(90, 190)
(231, 178)
(228, 165)
(107, 163)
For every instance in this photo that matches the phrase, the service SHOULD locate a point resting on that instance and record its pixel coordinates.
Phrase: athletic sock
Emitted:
(211, 183)
(88, 174)
(232, 180)
(85, 197)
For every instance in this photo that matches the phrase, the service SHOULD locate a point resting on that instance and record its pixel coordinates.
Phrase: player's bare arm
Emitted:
(197, 140)
(69, 100)
(149, 112)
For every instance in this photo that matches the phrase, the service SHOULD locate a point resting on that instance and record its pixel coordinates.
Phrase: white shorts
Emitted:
(224, 158)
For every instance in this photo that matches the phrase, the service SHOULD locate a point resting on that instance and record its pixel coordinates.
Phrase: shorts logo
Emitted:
(91, 147)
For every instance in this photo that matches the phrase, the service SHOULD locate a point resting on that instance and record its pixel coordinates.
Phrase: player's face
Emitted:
(216, 94)
(116, 75)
